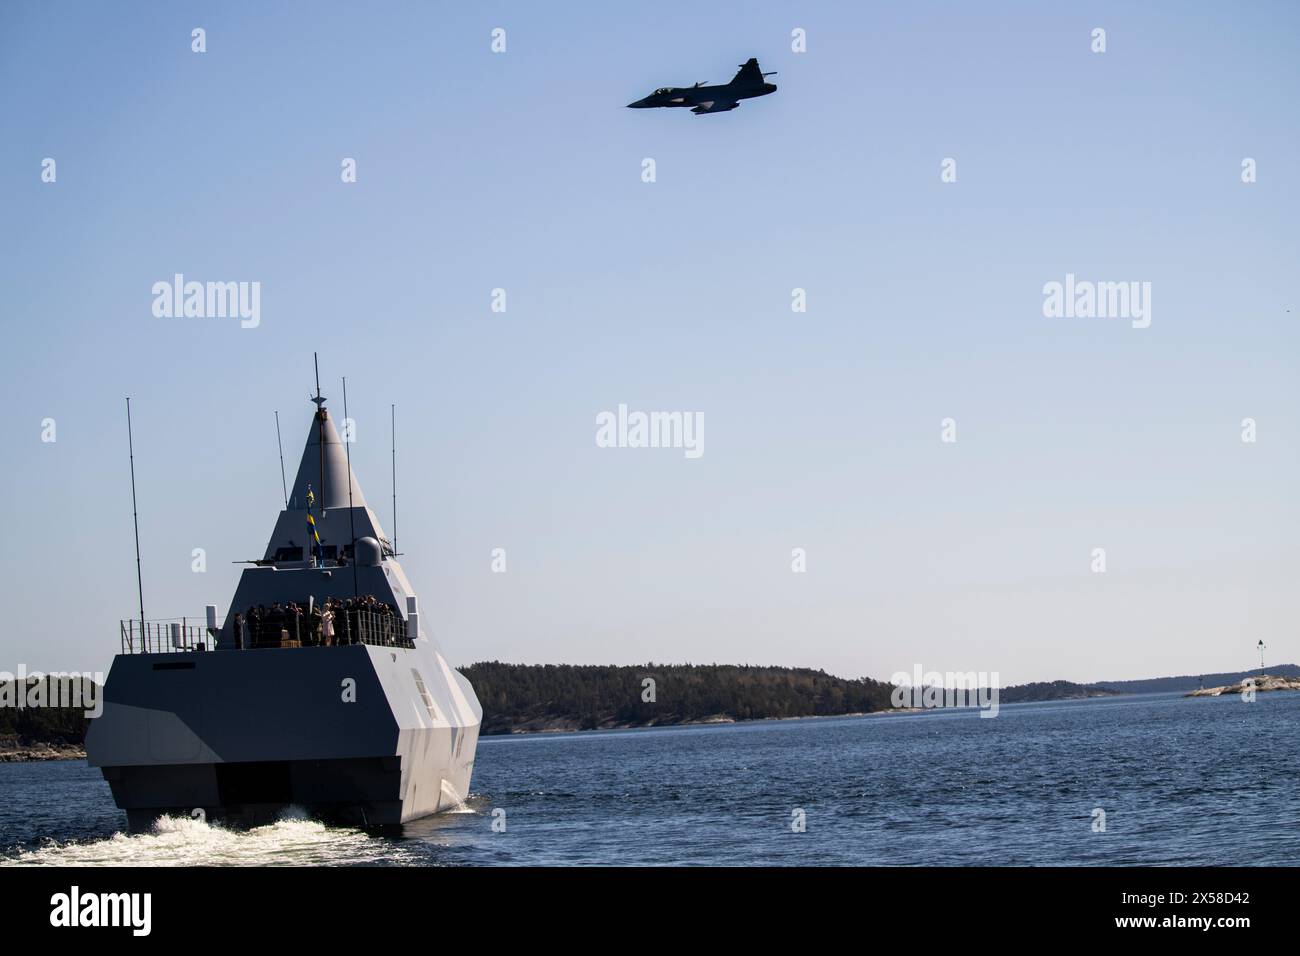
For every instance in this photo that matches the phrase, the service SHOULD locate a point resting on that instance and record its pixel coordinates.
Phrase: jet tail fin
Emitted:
(749, 75)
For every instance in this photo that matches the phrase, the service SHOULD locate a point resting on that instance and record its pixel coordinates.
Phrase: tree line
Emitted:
(585, 697)
(37, 721)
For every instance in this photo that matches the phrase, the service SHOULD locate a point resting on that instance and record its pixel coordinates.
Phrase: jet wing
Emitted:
(715, 106)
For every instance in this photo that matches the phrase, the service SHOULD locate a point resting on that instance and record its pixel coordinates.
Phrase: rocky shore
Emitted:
(564, 725)
(1263, 683)
(37, 751)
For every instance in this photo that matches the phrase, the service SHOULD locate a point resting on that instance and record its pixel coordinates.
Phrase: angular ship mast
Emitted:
(369, 724)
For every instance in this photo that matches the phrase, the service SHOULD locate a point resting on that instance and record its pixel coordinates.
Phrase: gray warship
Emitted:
(235, 721)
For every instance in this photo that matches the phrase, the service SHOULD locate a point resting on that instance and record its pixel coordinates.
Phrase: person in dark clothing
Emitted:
(275, 625)
(293, 623)
(257, 621)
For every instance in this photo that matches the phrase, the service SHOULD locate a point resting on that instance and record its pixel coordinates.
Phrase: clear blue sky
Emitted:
(522, 171)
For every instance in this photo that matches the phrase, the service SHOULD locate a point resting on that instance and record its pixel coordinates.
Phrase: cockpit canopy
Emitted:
(662, 90)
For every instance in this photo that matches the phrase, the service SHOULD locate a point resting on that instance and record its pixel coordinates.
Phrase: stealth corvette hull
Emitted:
(376, 729)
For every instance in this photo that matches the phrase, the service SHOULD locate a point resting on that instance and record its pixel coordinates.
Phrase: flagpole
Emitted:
(320, 430)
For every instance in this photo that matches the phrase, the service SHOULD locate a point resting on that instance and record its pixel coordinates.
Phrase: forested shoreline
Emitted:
(519, 697)
(528, 698)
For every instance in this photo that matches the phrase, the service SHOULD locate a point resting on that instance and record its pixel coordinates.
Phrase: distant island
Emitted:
(522, 698)
(1259, 684)
(533, 698)
(40, 733)
(526, 698)
(1053, 690)
(1165, 685)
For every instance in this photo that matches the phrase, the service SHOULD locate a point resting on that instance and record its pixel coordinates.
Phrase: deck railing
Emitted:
(367, 627)
(355, 626)
(163, 637)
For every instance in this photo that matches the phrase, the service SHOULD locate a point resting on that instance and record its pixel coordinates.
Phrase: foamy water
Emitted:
(293, 840)
(461, 806)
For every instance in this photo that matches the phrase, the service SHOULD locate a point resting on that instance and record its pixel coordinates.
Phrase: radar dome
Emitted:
(369, 553)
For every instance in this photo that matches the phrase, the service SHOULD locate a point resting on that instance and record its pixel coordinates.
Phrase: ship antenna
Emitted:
(351, 519)
(283, 486)
(135, 513)
(393, 411)
(320, 430)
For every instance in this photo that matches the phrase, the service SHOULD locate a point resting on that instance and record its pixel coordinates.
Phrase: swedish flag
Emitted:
(311, 525)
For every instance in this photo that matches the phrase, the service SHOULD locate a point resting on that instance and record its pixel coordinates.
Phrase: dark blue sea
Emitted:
(1180, 781)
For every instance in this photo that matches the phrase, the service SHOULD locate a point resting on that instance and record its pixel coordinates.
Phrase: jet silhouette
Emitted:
(745, 85)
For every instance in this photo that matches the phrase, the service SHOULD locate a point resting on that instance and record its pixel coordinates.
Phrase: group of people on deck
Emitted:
(335, 622)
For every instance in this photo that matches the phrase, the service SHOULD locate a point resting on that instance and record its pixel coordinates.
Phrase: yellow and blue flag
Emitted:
(311, 525)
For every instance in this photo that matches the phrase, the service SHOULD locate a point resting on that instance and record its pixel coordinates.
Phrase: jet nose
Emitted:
(636, 104)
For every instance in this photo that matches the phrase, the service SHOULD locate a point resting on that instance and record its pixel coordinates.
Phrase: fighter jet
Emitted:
(745, 85)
